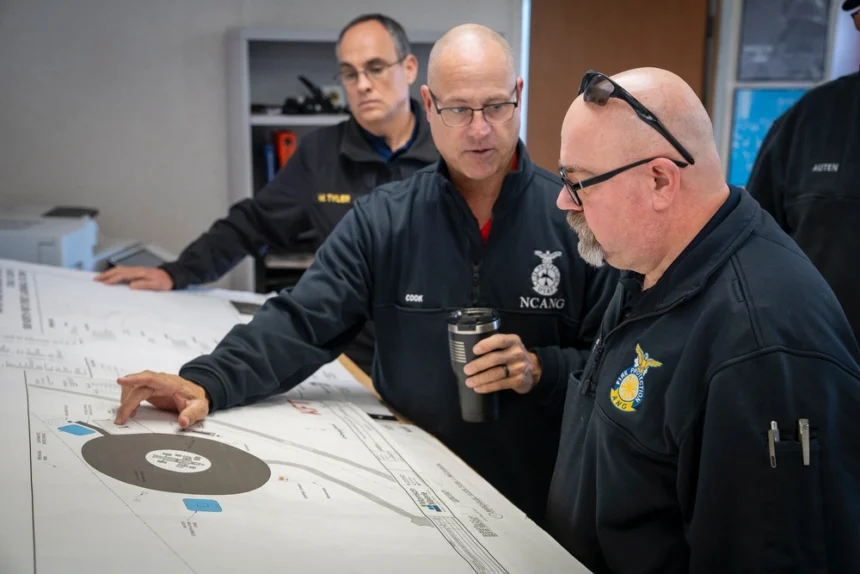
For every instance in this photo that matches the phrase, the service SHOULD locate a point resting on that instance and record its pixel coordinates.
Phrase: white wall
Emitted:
(121, 104)
(845, 58)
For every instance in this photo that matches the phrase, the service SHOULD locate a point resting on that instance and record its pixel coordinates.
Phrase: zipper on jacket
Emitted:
(470, 236)
(585, 387)
(476, 285)
(589, 385)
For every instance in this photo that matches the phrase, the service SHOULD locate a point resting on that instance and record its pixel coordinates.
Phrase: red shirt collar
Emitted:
(485, 230)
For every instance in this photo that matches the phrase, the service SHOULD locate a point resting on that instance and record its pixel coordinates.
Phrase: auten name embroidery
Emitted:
(825, 167)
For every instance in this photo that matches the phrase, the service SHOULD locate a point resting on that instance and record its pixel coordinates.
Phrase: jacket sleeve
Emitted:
(767, 178)
(743, 515)
(557, 363)
(296, 332)
(272, 218)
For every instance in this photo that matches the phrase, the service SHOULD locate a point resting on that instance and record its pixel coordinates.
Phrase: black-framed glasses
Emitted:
(597, 88)
(373, 71)
(459, 116)
(573, 187)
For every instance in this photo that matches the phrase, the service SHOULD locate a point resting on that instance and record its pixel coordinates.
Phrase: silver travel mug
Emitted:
(465, 328)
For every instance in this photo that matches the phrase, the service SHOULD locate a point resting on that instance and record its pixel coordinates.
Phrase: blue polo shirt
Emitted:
(380, 146)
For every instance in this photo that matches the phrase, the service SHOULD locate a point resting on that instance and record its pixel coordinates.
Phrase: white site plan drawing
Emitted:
(290, 484)
(49, 313)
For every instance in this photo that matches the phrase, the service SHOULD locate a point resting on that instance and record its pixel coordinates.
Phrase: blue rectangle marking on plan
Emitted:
(202, 505)
(77, 430)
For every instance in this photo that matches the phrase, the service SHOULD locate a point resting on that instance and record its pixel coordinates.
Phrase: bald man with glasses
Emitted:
(713, 428)
(478, 229)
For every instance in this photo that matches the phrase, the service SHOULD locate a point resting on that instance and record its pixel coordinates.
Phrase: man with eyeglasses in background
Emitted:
(714, 427)
(479, 229)
(385, 139)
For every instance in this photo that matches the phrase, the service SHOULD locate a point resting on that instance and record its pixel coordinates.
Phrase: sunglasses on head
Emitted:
(597, 88)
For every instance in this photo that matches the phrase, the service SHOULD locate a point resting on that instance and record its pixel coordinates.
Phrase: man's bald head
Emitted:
(617, 134)
(472, 68)
(469, 45)
(672, 100)
(638, 218)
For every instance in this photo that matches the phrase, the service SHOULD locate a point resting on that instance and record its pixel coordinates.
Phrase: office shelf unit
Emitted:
(295, 120)
(263, 65)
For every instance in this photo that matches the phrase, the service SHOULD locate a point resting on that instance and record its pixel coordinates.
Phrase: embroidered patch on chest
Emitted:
(629, 389)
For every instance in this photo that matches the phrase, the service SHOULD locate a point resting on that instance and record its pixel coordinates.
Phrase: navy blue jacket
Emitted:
(405, 256)
(331, 168)
(664, 463)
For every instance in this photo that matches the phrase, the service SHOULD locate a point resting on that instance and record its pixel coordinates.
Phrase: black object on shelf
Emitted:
(71, 211)
(266, 109)
(316, 103)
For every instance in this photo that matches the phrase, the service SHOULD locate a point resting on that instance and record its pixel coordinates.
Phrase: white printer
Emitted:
(68, 237)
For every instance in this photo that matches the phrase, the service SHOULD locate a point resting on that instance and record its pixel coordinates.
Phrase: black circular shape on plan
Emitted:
(176, 463)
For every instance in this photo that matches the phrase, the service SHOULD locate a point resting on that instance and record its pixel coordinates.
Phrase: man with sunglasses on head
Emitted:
(807, 176)
(385, 139)
(478, 229)
(714, 426)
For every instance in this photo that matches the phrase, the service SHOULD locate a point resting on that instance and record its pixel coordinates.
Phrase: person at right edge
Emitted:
(478, 229)
(715, 426)
(807, 176)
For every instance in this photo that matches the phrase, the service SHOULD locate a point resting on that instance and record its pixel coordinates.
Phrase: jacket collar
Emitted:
(707, 255)
(514, 184)
(355, 146)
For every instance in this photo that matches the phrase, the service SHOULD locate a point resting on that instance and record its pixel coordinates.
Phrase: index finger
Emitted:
(123, 396)
(131, 402)
(495, 342)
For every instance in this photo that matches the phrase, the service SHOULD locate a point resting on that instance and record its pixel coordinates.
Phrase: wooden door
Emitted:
(570, 36)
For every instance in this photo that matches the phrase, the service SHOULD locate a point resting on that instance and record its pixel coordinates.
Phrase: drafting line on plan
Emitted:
(32, 490)
(378, 473)
(470, 548)
(419, 520)
(78, 393)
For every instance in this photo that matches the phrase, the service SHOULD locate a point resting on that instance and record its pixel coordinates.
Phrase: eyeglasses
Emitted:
(459, 116)
(598, 88)
(372, 72)
(573, 188)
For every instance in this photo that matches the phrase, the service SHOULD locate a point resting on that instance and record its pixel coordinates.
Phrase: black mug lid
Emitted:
(472, 318)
